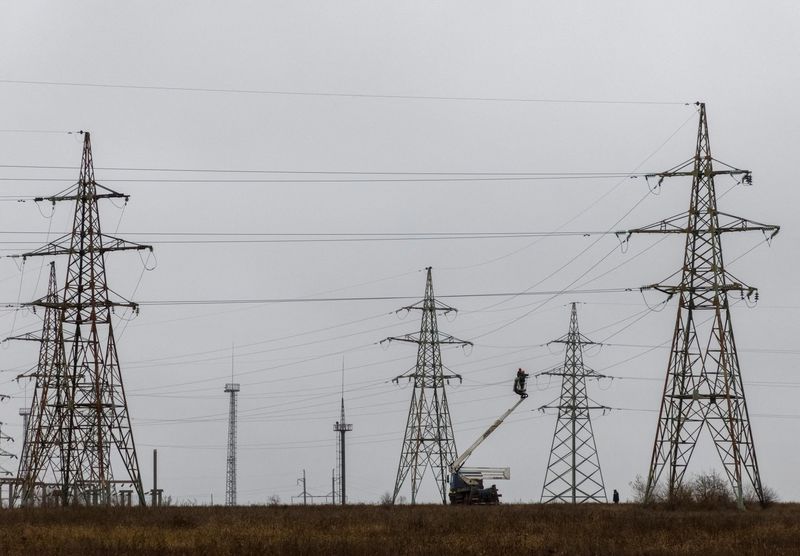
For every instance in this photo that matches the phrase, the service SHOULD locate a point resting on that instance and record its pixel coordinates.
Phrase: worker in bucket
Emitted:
(520, 384)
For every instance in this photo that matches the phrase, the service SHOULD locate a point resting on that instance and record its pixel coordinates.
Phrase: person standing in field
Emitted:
(616, 496)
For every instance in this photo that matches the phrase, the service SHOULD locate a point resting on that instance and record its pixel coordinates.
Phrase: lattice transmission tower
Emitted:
(40, 472)
(87, 411)
(429, 440)
(573, 468)
(231, 388)
(703, 386)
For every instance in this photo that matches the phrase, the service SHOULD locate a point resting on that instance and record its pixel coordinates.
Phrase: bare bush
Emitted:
(638, 489)
(706, 490)
(710, 490)
(639, 492)
(770, 497)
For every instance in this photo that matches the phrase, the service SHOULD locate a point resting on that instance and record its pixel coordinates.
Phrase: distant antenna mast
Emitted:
(342, 427)
(231, 388)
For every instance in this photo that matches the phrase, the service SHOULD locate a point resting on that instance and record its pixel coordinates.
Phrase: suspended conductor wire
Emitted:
(47, 131)
(47, 240)
(588, 207)
(354, 95)
(268, 341)
(612, 227)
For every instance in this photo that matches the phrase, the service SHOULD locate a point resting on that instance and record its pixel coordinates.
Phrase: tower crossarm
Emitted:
(413, 374)
(579, 339)
(415, 338)
(688, 168)
(429, 305)
(680, 224)
(583, 371)
(105, 304)
(64, 246)
(671, 290)
(27, 337)
(76, 192)
(555, 404)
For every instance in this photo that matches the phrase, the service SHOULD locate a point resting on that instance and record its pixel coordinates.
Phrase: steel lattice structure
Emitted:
(90, 419)
(230, 475)
(573, 468)
(428, 440)
(40, 471)
(703, 386)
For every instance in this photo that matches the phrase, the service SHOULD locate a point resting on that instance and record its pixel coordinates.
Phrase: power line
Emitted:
(552, 177)
(162, 303)
(313, 172)
(179, 302)
(277, 238)
(337, 94)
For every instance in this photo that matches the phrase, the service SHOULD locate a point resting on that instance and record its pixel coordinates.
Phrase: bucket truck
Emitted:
(466, 483)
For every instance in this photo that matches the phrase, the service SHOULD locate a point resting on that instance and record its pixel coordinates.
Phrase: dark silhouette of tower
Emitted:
(429, 440)
(703, 386)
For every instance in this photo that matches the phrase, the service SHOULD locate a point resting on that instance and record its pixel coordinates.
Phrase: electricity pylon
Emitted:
(703, 386)
(40, 464)
(94, 431)
(429, 440)
(573, 469)
(230, 476)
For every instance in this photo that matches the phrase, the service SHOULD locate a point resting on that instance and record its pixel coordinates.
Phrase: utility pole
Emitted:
(333, 487)
(573, 469)
(90, 417)
(304, 494)
(341, 427)
(230, 476)
(156, 492)
(703, 386)
(429, 440)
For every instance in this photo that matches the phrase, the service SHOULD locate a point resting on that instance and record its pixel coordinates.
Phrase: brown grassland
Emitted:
(376, 530)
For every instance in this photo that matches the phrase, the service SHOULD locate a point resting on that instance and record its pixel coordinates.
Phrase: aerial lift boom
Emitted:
(466, 484)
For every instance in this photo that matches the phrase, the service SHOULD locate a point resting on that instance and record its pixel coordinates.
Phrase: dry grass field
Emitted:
(376, 530)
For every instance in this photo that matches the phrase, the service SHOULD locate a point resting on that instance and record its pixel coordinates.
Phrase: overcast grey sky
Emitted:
(738, 57)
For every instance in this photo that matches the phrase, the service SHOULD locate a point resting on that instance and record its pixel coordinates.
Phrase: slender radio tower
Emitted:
(429, 440)
(703, 386)
(230, 476)
(573, 470)
(94, 430)
(342, 427)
